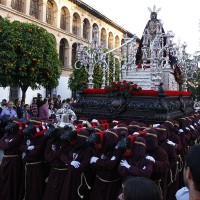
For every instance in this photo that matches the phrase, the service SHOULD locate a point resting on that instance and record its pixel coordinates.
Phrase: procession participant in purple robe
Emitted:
(138, 164)
(186, 137)
(33, 156)
(59, 143)
(194, 132)
(77, 161)
(105, 163)
(11, 166)
(169, 147)
(133, 127)
(159, 157)
(122, 130)
(4, 119)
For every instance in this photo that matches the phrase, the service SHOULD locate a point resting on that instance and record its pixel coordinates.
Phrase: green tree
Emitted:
(28, 56)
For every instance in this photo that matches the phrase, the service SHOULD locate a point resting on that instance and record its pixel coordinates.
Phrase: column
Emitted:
(71, 23)
(70, 58)
(27, 7)
(90, 31)
(8, 3)
(57, 20)
(43, 10)
(81, 29)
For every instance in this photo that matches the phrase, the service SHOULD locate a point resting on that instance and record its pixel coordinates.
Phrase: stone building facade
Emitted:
(69, 21)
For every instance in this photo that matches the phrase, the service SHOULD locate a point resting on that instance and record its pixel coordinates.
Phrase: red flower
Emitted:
(126, 85)
(124, 81)
(119, 83)
(121, 89)
(135, 86)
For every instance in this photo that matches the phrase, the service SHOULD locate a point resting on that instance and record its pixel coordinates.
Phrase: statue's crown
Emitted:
(154, 9)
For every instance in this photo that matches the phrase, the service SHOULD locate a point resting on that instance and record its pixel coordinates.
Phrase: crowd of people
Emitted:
(42, 108)
(95, 159)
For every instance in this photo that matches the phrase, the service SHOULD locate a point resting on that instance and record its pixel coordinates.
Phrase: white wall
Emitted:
(33, 93)
(4, 93)
(63, 89)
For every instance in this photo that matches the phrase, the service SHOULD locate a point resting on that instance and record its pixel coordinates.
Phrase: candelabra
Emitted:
(187, 65)
(88, 57)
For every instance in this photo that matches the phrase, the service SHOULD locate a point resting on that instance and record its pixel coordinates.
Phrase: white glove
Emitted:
(180, 131)
(6, 140)
(113, 158)
(53, 147)
(84, 122)
(124, 163)
(115, 127)
(191, 126)
(171, 143)
(75, 163)
(155, 125)
(187, 128)
(150, 158)
(195, 124)
(95, 120)
(135, 133)
(30, 147)
(93, 160)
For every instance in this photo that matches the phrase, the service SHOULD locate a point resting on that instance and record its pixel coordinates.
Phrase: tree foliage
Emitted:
(28, 56)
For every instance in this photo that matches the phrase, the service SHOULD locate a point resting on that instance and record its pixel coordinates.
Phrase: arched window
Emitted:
(103, 37)
(18, 5)
(64, 19)
(94, 26)
(2, 2)
(34, 9)
(110, 40)
(50, 14)
(76, 24)
(64, 52)
(74, 47)
(86, 29)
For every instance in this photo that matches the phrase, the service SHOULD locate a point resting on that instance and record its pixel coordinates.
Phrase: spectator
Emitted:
(3, 103)
(58, 103)
(9, 110)
(26, 113)
(191, 173)
(39, 101)
(43, 110)
(52, 114)
(134, 189)
(20, 110)
(34, 108)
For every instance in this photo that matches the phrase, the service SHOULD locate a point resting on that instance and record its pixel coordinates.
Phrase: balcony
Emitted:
(34, 12)
(75, 30)
(18, 5)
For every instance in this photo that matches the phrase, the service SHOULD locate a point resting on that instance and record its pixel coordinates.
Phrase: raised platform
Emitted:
(157, 107)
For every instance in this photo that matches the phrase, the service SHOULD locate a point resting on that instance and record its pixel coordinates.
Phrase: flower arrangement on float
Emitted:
(123, 88)
(127, 89)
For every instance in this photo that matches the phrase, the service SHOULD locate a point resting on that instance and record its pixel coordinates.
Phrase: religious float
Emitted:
(153, 77)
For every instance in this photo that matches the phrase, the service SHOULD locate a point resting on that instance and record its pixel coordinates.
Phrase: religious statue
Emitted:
(150, 30)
